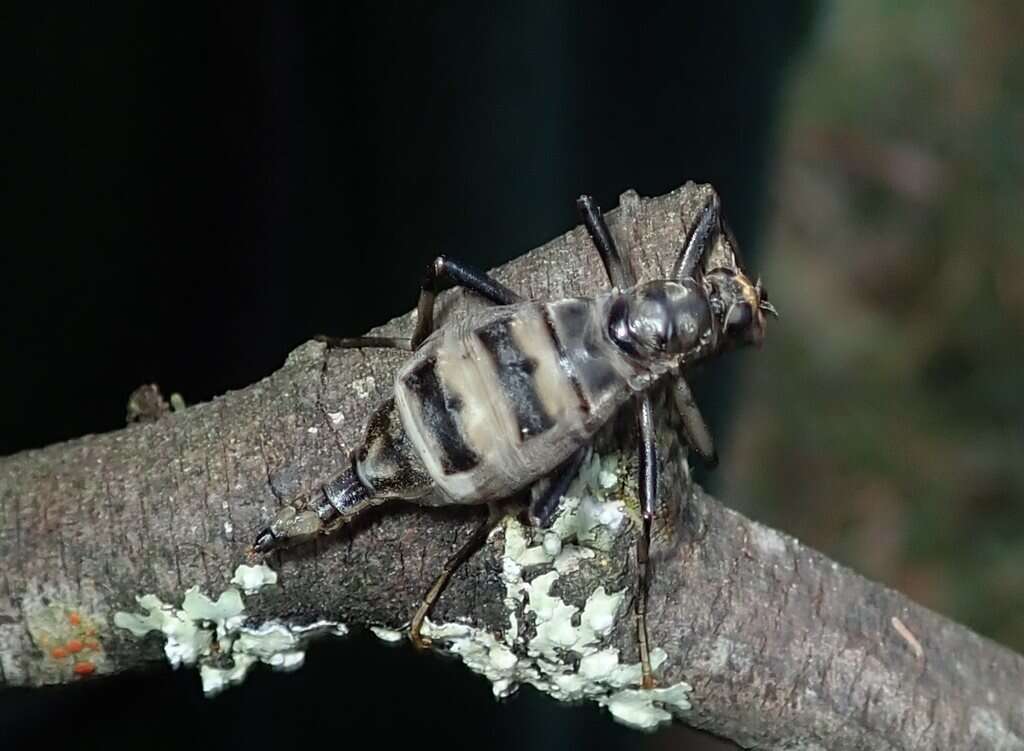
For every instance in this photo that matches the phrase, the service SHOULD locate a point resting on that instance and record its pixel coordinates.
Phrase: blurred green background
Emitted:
(883, 423)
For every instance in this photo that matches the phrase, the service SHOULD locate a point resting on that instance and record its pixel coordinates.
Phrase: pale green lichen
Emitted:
(216, 679)
(386, 634)
(647, 709)
(562, 652)
(273, 643)
(226, 610)
(588, 521)
(566, 655)
(254, 578)
(192, 629)
(157, 612)
(187, 639)
(600, 516)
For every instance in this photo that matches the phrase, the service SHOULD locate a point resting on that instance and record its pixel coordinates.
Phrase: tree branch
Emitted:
(782, 647)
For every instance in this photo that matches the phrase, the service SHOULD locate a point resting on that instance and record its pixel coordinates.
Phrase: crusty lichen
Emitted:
(69, 640)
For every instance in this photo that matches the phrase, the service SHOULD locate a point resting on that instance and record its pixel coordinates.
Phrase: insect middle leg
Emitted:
(495, 513)
(619, 272)
(695, 429)
(543, 507)
(648, 501)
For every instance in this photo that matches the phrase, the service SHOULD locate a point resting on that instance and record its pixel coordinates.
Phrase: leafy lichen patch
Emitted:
(386, 634)
(213, 634)
(253, 578)
(556, 646)
(647, 709)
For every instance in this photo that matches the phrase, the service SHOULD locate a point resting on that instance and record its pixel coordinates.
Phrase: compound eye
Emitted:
(740, 317)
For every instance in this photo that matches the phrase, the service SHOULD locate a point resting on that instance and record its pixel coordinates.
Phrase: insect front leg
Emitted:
(619, 272)
(648, 502)
(495, 513)
(697, 242)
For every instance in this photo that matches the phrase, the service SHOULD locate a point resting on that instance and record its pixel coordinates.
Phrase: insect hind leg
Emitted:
(461, 275)
(440, 270)
(495, 513)
(695, 429)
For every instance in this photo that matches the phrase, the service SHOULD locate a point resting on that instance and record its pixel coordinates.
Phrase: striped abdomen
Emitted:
(494, 402)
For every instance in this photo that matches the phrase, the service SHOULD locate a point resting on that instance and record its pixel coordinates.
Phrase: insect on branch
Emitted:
(774, 659)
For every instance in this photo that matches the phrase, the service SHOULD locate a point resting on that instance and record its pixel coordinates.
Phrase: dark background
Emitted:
(193, 192)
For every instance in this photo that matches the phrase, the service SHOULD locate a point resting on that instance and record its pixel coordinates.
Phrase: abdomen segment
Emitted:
(494, 403)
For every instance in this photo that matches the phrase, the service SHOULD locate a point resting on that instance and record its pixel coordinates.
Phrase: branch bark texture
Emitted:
(783, 647)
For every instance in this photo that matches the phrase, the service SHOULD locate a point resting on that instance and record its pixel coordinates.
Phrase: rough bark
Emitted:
(784, 648)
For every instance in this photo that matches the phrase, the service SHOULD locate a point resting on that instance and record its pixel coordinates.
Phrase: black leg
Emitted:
(543, 507)
(495, 513)
(697, 242)
(619, 272)
(462, 276)
(698, 437)
(442, 268)
(648, 502)
(385, 342)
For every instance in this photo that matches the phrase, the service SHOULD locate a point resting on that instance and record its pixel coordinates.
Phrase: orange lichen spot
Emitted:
(74, 618)
(83, 667)
(74, 645)
(94, 645)
(58, 653)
